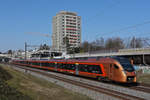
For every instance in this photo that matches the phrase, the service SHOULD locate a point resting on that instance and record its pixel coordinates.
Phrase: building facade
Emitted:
(66, 24)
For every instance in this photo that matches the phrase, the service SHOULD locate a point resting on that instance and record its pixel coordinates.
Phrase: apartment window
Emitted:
(74, 17)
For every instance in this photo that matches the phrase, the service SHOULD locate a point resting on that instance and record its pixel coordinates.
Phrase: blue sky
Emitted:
(99, 19)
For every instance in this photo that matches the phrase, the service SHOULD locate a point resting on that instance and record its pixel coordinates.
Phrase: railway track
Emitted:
(116, 94)
(141, 87)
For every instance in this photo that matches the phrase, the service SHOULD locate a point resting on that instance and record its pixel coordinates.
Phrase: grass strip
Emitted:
(39, 89)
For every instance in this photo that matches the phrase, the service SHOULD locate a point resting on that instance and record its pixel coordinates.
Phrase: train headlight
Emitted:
(134, 73)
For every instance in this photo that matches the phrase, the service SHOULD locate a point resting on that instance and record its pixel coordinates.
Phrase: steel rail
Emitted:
(109, 92)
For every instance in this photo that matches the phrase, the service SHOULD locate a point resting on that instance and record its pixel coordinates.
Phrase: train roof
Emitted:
(104, 60)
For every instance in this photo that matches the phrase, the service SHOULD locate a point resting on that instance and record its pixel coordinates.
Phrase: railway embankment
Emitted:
(143, 74)
(15, 85)
(144, 78)
(88, 87)
(6, 91)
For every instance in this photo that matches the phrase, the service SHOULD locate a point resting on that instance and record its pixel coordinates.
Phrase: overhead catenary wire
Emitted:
(38, 33)
(92, 18)
(125, 28)
(103, 11)
(116, 2)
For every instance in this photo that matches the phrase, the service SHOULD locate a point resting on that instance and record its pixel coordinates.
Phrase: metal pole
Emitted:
(25, 51)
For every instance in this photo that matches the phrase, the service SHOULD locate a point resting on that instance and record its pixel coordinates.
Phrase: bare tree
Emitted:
(114, 43)
(100, 45)
(118, 42)
(136, 43)
(85, 46)
(109, 43)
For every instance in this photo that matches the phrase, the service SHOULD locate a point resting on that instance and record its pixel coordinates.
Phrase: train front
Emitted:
(127, 70)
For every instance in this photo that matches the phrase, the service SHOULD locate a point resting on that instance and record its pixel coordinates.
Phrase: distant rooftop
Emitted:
(68, 13)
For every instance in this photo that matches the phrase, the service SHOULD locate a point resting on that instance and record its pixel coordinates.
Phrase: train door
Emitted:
(111, 71)
(77, 68)
(55, 66)
(40, 63)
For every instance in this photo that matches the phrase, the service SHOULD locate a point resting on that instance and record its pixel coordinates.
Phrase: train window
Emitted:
(128, 67)
(81, 67)
(63, 66)
(90, 68)
(36, 63)
(68, 66)
(48, 64)
(72, 66)
(29, 63)
(32, 63)
(59, 65)
(51, 65)
(44, 64)
(96, 69)
(24, 62)
(115, 66)
(86, 68)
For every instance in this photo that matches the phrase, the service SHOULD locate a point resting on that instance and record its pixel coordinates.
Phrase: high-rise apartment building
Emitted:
(66, 24)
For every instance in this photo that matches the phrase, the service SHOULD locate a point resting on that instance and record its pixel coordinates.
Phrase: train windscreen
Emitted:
(125, 64)
(127, 67)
